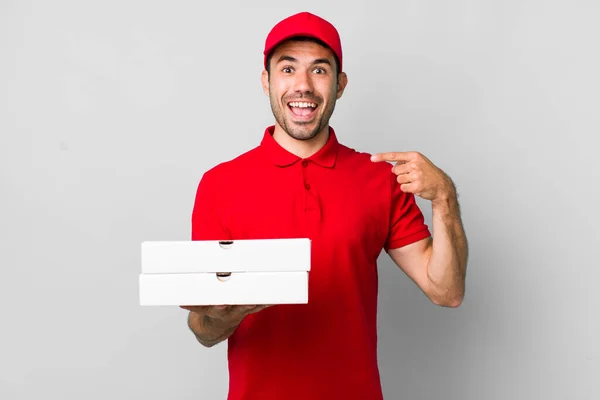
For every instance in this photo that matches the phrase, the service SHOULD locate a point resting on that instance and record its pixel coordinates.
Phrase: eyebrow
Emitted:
(292, 59)
(322, 61)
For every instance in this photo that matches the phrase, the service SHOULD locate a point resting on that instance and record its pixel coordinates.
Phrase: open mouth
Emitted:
(302, 110)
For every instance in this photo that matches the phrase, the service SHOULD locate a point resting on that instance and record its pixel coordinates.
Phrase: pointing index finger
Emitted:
(391, 156)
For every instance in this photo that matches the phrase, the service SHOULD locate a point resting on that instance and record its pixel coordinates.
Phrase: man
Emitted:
(301, 182)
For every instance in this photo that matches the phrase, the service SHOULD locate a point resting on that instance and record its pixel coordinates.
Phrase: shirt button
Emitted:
(304, 163)
(307, 186)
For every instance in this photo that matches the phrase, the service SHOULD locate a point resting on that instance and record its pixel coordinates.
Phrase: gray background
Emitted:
(111, 111)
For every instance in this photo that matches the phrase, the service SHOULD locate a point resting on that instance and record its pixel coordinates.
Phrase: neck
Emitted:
(301, 148)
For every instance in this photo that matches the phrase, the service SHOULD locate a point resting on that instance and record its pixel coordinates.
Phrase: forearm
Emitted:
(209, 331)
(447, 264)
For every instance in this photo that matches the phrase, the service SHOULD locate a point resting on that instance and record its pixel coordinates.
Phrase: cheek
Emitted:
(328, 91)
(279, 87)
(276, 94)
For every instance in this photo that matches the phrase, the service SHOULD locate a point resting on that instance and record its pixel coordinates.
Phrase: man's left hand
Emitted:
(418, 175)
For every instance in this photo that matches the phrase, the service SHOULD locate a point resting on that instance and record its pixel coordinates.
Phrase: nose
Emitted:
(303, 82)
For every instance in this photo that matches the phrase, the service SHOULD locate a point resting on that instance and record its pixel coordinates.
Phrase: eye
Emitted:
(319, 70)
(287, 70)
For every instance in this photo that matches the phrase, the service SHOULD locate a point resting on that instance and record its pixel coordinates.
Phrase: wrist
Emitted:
(210, 331)
(204, 327)
(446, 200)
(217, 325)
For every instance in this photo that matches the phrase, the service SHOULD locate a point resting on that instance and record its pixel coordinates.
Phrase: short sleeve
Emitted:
(206, 221)
(407, 224)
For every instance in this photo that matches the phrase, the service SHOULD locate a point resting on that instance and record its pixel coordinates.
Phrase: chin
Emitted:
(303, 130)
(303, 135)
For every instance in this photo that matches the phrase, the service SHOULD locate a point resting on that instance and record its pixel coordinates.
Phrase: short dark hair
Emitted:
(304, 39)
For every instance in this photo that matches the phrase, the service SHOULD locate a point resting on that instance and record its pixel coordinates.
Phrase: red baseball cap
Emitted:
(304, 24)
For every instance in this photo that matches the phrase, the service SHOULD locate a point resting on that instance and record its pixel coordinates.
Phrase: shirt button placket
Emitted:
(304, 174)
(306, 184)
(312, 213)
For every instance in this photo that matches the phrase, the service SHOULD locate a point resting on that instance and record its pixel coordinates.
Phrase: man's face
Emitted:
(303, 87)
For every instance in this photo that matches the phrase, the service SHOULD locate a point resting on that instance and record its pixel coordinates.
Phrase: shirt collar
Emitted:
(325, 157)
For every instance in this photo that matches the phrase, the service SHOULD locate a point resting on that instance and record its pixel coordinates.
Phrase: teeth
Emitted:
(302, 104)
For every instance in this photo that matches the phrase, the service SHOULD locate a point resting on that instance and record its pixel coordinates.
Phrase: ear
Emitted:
(342, 82)
(265, 82)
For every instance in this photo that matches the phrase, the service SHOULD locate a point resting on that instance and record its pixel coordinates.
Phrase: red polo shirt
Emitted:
(351, 209)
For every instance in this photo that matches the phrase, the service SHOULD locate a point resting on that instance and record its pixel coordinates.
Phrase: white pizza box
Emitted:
(240, 288)
(259, 271)
(257, 255)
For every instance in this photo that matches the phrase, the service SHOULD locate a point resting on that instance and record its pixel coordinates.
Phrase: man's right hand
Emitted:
(215, 323)
(227, 314)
